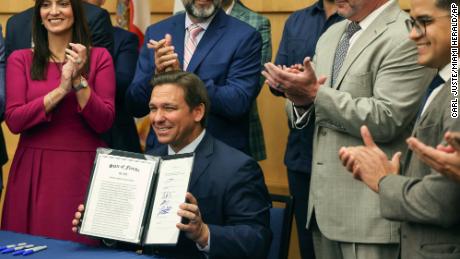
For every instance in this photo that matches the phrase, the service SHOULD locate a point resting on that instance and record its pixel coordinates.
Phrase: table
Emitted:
(64, 249)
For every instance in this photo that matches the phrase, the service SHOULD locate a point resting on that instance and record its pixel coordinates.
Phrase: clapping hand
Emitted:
(369, 163)
(444, 159)
(76, 58)
(298, 83)
(165, 57)
(77, 54)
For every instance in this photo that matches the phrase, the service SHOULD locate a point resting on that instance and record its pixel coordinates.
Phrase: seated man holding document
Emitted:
(226, 213)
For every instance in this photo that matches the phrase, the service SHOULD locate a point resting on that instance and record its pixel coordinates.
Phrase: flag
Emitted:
(178, 6)
(134, 15)
(139, 17)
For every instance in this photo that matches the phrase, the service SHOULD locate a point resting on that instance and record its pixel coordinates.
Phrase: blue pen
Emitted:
(20, 249)
(34, 250)
(12, 249)
(10, 246)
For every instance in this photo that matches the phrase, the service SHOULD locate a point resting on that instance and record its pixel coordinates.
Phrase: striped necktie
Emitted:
(342, 49)
(190, 44)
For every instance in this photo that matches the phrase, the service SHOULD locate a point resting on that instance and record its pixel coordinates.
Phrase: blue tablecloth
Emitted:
(64, 249)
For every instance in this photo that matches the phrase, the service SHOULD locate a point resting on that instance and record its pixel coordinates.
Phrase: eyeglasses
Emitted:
(420, 23)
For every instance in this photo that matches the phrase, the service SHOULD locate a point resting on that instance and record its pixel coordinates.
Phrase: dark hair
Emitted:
(194, 89)
(445, 4)
(42, 53)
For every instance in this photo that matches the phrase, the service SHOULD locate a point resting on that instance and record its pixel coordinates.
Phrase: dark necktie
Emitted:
(342, 49)
(435, 83)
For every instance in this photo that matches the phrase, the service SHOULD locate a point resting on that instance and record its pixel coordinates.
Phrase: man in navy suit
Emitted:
(123, 134)
(227, 58)
(228, 202)
(19, 29)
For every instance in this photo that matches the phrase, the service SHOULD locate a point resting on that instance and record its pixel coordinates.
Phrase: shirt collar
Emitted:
(366, 22)
(204, 25)
(230, 8)
(444, 73)
(190, 147)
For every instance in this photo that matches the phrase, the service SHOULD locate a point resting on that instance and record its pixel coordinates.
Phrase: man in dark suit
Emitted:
(123, 134)
(226, 57)
(3, 154)
(424, 200)
(228, 203)
(19, 29)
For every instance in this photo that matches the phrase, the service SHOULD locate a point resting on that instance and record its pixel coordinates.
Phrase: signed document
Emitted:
(134, 198)
(171, 189)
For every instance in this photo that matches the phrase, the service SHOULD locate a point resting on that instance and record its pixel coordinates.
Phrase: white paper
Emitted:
(172, 187)
(117, 197)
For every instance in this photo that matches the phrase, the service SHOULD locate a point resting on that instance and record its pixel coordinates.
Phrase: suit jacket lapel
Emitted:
(214, 32)
(432, 107)
(202, 159)
(377, 27)
(442, 96)
(178, 37)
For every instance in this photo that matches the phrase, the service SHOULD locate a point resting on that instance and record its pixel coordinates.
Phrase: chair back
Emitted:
(280, 224)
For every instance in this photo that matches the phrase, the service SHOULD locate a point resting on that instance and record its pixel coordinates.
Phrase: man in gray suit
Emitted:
(427, 202)
(371, 78)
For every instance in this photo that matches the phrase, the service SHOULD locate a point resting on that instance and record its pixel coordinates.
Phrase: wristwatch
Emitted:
(83, 84)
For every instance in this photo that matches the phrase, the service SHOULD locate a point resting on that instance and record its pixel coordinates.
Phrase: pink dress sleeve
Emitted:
(20, 112)
(99, 112)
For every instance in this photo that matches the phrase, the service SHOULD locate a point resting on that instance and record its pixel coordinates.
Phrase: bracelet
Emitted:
(83, 84)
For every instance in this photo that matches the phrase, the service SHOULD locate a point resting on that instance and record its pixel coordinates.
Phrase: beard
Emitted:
(200, 13)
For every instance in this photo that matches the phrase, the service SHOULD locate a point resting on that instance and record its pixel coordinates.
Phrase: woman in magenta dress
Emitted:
(59, 97)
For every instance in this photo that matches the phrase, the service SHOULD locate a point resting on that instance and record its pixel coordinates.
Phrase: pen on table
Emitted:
(20, 249)
(10, 246)
(34, 250)
(16, 248)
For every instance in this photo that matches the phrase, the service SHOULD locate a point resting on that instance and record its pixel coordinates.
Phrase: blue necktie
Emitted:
(435, 83)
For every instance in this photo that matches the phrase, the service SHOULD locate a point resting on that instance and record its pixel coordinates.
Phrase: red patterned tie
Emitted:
(190, 44)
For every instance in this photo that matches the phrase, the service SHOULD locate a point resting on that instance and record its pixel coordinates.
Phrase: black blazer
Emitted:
(123, 134)
(19, 29)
